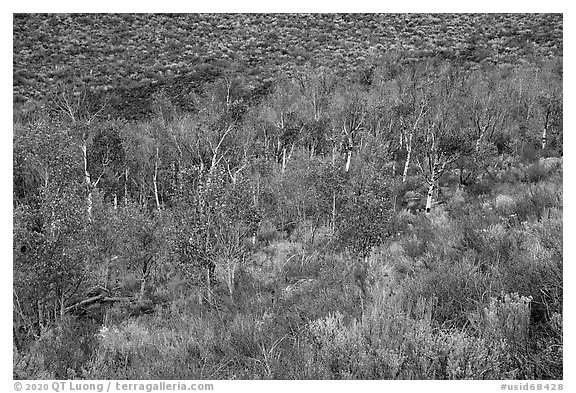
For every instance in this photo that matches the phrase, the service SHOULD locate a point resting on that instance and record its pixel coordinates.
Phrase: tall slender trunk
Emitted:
(437, 169)
(257, 192)
(333, 155)
(291, 152)
(429, 197)
(228, 87)
(89, 204)
(126, 186)
(46, 178)
(286, 156)
(348, 159)
(545, 129)
(141, 198)
(407, 163)
(231, 272)
(62, 310)
(155, 180)
(88, 182)
(283, 160)
(142, 288)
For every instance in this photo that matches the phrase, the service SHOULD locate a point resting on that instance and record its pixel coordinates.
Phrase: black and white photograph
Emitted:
(287, 196)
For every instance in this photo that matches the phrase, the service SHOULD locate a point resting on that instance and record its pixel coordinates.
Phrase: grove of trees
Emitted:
(404, 226)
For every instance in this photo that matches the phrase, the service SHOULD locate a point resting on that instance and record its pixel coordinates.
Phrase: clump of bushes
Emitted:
(61, 352)
(398, 338)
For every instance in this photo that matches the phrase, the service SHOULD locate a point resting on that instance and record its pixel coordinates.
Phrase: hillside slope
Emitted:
(134, 51)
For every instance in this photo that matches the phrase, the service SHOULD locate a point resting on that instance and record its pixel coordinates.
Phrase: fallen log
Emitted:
(97, 299)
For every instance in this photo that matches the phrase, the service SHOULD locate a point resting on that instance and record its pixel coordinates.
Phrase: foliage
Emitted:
(364, 221)
(116, 52)
(266, 222)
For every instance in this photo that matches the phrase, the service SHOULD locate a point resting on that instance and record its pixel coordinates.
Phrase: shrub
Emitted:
(155, 349)
(536, 267)
(338, 347)
(534, 173)
(267, 232)
(551, 164)
(397, 339)
(505, 204)
(62, 352)
(450, 284)
(507, 319)
(536, 199)
(458, 199)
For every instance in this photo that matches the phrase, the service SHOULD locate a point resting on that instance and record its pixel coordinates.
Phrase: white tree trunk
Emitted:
(155, 181)
(257, 191)
(231, 272)
(46, 178)
(333, 155)
(290, 154)
(62, 310)
(544, 136)
(316, 107)
(407, 163)
(126, 186)
(348, 159)
(89, 205)
(429, 198)
(228, 87)
(477, 147)
(88, 182)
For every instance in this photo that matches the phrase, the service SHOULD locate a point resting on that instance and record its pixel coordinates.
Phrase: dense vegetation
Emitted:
(401, 223)
(135, 55)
